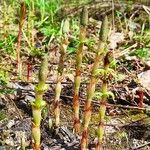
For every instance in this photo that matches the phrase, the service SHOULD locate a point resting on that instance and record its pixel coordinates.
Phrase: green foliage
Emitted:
(7, 45)
(90, 42)
(4, 77)
(41, 87)
(104, 72)
(142, 53)
(99, 95)
(37, 52)
(2, 115)
(7, 91)
(49, 30)
(118, 13)
(41, 15)
(46, 8)
(38, 104)
(72, 46)
(45, 112)
(74, 39)
(113, 63)
(143, 38)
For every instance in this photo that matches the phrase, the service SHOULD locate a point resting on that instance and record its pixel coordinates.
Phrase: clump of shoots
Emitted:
(79, 55)
(39, 104)
(22, 20)
(106, 74)
(93, 81)
(63, 49)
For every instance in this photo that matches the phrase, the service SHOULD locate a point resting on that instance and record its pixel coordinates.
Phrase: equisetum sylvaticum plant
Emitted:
(39, 103)
(30, 25)
(106, 74)
(30, 34)
(21, 22)
(63, 48)
(93, 81)
(79, 55)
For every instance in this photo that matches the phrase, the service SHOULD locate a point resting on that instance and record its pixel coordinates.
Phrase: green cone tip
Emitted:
(43, 70)
(104, 30)
(84, 16)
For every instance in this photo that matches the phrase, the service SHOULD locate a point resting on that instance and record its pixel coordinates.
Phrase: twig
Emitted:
(126, 51)
(127, 107)
(109, 105)
(94, 102)
(36, 82)
(141, 146)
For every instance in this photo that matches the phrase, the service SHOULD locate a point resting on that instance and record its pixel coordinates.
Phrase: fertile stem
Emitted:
(39, 104)
(103, 100)
(79, 55)
(22, 19)
(30, 25)
(92, 83)
(63, 50)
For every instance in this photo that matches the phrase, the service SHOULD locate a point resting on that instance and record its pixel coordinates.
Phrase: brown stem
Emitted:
(22, 19)
(103, 100)
(78, 80)
(141, 98)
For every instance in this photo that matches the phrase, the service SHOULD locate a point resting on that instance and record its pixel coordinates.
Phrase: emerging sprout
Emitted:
(39, 104)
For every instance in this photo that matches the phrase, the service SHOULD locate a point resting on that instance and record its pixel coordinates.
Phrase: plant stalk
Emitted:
(39, 104)
(103, 101)
(30, 25)
(93, 81)
(22, 20)
(60, 70)
(77, 80)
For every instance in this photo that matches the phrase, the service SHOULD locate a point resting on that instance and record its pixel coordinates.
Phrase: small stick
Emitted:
(141, 146)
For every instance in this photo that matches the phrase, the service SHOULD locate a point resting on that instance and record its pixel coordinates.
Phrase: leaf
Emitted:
(113, 63)
(98, 95)
(109, 71)
(99, 72)
(144, 79)
(115, 38)
(71, 50)
(110, 94)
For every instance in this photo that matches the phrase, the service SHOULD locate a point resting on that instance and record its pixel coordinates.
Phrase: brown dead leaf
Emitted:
(144, 79)
(115, 38)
